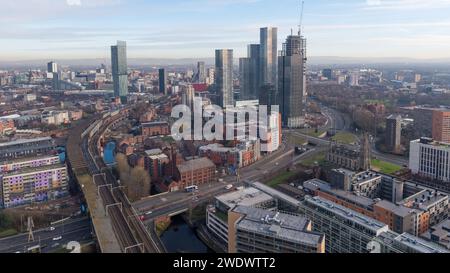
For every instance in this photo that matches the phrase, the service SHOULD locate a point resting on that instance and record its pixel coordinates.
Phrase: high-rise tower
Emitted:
(292, 81)
(224, 77)
(120, 69)
(268, 55)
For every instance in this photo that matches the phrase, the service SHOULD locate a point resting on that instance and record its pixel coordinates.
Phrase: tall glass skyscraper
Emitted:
(268, 55)
(120, 69)
(201, 72)
(244, 78)
(292, 81)
(224, 77)
(162, 81)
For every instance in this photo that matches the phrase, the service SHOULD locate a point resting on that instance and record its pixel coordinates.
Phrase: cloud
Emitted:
(405, 4)
(74, 2)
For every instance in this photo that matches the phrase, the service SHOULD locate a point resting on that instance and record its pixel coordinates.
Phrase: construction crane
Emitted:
(301, 19)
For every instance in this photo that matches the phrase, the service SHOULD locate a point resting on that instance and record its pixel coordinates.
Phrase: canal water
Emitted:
(109, 154)
(181, 238)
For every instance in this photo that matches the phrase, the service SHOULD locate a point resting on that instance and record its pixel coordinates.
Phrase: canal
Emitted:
(181, 238)
(109, 154)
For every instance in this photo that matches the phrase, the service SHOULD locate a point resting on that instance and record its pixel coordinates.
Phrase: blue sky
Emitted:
(35, 29)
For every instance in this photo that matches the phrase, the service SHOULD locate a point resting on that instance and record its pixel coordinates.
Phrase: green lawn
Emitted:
(280, 179)
(297, 140)
(345, 138)
(316, 158)
(8, 232)
(312, 132)
(385, 167)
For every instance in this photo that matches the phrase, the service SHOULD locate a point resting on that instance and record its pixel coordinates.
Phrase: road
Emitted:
(342, 122)
(79, 230)
(169, 203)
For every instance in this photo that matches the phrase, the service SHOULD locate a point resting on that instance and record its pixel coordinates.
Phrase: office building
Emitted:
(253, 230)
(162, 81)
(52, 67)
(268, 55)
(224, 77)
(430, 159)
(244, 78)
(354, 78)
(120, 69)
(196, 172)
(391, 242)
(201, 72)
(292, 81)
(441, 126)
(254, 85)
(407, 207)
(211, 74)
(345, 230)
(217, 215)
(328, 73)
(393, 133)
(31, 185)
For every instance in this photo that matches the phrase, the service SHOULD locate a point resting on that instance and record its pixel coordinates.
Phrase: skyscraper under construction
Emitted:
(292, 81)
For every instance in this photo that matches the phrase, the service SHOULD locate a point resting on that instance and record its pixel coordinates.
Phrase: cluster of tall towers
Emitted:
(274, 77)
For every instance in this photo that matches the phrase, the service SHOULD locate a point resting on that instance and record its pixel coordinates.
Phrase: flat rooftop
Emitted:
(24, 141)
(397, 209)
(374, 225)
(153, 152)
(217, 148)
(278, 225)
(418, 244)
(277, 194)
(30, 170)
(319, 185)
(29, 159)
(364, 177)
(196, 164)
(245, 197)
(426, 198)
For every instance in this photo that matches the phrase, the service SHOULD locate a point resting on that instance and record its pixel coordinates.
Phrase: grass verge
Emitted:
(385, 167)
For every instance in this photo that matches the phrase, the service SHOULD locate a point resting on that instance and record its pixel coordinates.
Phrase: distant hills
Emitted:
(158, 62)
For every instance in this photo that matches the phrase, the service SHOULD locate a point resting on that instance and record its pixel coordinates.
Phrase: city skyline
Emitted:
(70, 29)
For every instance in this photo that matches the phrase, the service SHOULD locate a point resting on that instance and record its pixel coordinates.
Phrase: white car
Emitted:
(149, 212)
(57, 238)
(51, 229)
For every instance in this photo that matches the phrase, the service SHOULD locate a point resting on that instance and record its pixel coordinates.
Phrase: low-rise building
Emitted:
(196, 172)
(26, 147)
(55, 117)
(157, 128)
(7, 126)
(243, 155)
